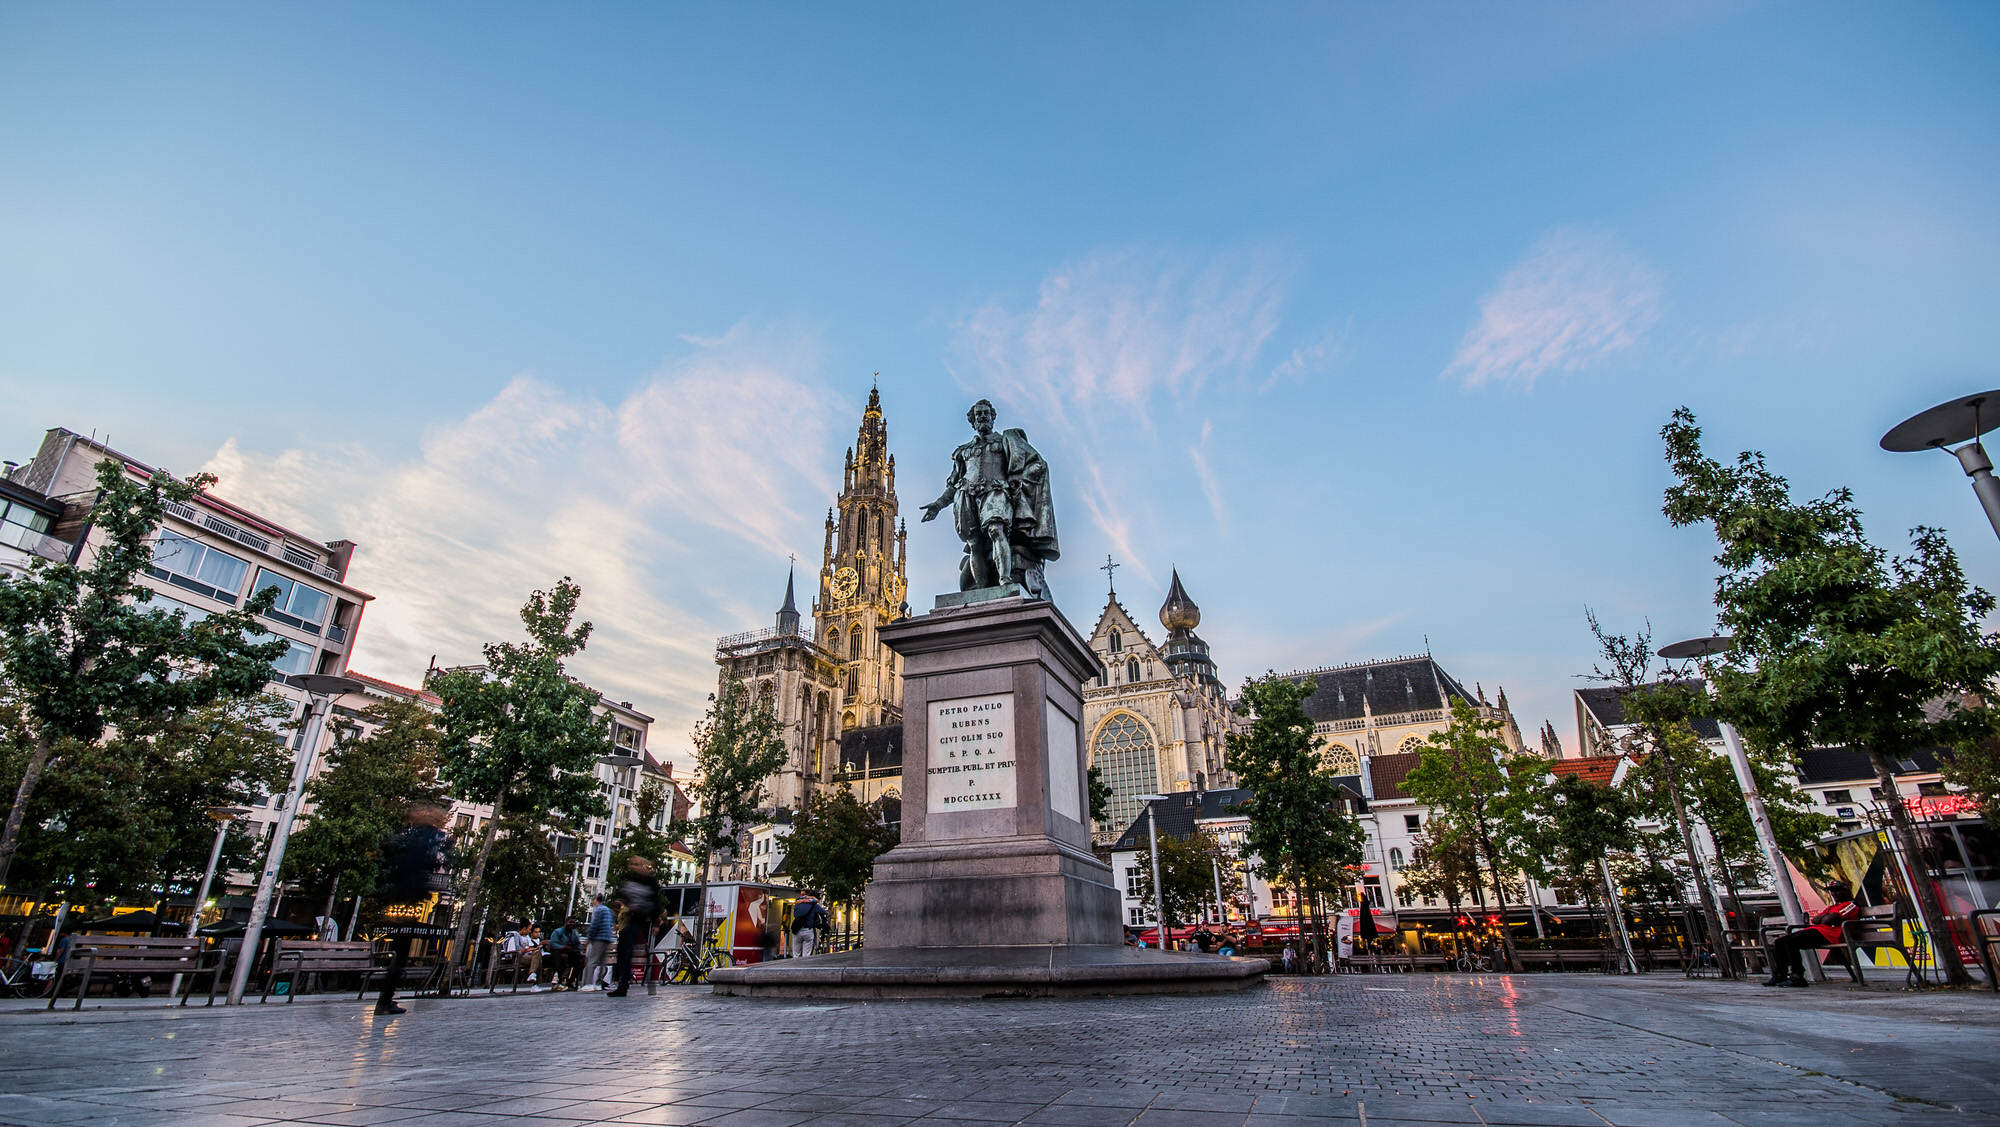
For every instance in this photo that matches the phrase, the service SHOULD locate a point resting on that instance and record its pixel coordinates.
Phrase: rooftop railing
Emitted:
(281, 550)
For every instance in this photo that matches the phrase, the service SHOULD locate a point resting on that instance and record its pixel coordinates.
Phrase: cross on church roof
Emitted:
(1110, 570)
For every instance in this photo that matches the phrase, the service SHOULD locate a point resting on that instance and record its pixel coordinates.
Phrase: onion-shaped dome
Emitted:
(1179, 612)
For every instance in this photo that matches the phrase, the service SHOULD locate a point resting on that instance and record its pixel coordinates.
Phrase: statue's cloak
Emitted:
(1027, 504)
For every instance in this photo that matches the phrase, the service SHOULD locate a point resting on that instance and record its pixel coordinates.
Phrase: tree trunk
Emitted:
(1718, 938)
(1499, 898)
(456, 947)
(1944, 945)
(10, 838)
(701, 920)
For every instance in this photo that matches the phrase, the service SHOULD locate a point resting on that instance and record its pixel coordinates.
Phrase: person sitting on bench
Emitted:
(1787, 951)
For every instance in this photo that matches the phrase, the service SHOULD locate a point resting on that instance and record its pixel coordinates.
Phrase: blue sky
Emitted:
(1365, 316)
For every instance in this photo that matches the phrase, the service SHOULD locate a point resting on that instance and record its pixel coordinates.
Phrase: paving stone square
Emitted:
(1423, 1050)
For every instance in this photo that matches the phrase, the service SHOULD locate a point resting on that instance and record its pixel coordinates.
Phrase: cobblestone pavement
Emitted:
(1386, 1051)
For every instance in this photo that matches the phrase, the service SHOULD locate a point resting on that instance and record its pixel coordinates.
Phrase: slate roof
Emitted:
(1178, 812)
(1607, 705)
(1844, 765)
(878, 749)
(1405, 684)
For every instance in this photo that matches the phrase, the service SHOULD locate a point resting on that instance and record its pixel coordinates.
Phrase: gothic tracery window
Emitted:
(1132, 670)
(1117, 641)
(854, 642)
(1340, 759)
(1124, 757)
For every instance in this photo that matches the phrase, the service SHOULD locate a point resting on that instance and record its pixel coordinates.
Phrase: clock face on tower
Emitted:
(845, 581)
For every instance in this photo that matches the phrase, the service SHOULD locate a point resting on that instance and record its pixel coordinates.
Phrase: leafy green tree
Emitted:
(1298, 825)
(1461, 776)
(1574, 825)
(1100, 797)
(525, 877)
(1837, 643)
(833, 845)
(638, 838)
(80, 650)
(1444, 865)
(1664, 748)
(520, 734)
(127, 816)
(736, 747)
(1192, 865)
(1667, 754)
(1975, 765)
(360, 800)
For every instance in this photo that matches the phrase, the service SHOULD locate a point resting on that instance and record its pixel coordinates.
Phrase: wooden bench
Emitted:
(297, 957)
(1428, 962)
(1599, 960)
(148, 956)
(1540, 960)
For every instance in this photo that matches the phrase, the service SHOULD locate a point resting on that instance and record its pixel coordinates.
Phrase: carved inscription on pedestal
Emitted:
(971, 754)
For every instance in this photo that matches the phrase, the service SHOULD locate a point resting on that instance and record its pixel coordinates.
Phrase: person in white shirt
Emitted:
(525, 944)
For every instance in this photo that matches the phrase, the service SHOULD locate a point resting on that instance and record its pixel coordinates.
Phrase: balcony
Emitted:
(34, 543)
(277, 550)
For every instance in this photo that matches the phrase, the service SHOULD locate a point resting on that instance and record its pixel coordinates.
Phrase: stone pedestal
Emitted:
(994, 889)
(996, 835)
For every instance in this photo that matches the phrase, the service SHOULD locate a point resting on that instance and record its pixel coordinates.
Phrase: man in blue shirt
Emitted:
(598, 934)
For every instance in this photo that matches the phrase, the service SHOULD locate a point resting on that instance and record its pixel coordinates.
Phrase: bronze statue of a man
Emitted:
(999, 494)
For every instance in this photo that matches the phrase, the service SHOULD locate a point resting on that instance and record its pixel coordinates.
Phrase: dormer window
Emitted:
(1117, 641)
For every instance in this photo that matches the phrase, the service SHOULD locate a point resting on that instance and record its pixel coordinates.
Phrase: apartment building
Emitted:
(210, 555)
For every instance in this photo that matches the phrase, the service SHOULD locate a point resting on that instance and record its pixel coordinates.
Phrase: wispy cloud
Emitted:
(627, 498)
(1210, 487)
(1108, 342)
(1578, 297)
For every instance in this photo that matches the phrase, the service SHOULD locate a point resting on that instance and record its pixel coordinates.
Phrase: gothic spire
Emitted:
(788, 615)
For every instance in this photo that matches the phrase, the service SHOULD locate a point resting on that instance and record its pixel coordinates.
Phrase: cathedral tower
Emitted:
(862, 581)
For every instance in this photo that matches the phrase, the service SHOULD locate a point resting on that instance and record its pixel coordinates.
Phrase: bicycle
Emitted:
(690, 969)
(1473, 962)
(17, 980)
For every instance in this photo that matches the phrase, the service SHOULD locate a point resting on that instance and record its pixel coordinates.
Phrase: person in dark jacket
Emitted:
(413, 867)
(639, 892)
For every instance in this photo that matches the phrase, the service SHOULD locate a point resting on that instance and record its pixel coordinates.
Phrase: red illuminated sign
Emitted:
(1940, 806)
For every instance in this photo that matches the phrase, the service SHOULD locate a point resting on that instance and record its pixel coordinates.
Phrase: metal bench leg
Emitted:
(85, 988)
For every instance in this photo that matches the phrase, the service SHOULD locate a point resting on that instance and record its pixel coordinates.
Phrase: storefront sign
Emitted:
(1940, 806)
(971, 754)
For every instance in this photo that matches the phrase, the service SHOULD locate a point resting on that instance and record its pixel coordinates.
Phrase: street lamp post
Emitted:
(1960, 420)
(1760, 819)
(1159, 881)
(616, 763)
(320, 689)
(224, 816)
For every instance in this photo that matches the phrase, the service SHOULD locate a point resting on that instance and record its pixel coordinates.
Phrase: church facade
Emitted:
(1157, 716)
(836, 689)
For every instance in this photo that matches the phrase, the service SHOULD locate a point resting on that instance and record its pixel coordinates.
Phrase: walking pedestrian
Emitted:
(809, 919)
(598, 935)
(639, 892)
(413, 867)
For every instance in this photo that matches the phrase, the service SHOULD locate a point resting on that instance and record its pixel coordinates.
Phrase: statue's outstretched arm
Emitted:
(950, 490)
